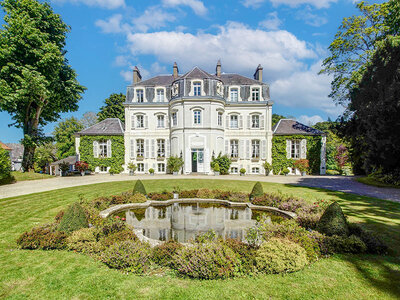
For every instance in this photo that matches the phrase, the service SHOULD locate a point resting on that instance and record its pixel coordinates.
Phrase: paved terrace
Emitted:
(336, 183)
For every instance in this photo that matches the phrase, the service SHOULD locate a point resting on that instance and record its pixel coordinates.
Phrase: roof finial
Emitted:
(218, 68)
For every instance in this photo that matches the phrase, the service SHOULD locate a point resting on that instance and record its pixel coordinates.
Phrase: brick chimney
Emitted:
(175, 70)
(218, 68)
(136, 75)
(258, 74)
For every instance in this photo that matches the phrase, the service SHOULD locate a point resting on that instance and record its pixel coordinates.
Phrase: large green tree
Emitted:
(44, 155)
(36, 81)
(64, 136)
(113, 108)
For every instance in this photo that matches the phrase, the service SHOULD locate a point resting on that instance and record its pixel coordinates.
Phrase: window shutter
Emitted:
(247, 149)
(167, 148)
(146, 121)
(248, 122)
(262, 122)
(146, 155)
(146, 167)
(96, 149)
(133, 120)
(227, 122)
(241, 122)
(242, 150)
(288, 148)
(263, 149)
(166, 122)
(227, 147)
(132, 148)
(153, 150)
(303, 149)
(108, 148)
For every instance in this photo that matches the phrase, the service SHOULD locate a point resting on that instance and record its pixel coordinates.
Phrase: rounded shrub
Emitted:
(206, 261)
(139, 188)
(333, 221)
(44, 237)
(138, 198)
(84, 240)
(374, 244)
(257, 190)
(162, 254)
(73, 219)
(280, 256)
(245, 252)
(342, 244)
(128, 256)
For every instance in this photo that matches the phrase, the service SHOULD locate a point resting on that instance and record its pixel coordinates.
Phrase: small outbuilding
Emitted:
(55, 166)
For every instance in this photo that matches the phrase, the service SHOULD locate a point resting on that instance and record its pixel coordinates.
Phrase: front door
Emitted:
(197, 160)
(194, 161)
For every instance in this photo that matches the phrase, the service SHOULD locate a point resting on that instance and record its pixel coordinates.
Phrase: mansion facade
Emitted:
(196, 116)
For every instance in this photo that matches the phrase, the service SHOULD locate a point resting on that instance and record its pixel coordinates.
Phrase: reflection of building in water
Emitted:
(184, 222)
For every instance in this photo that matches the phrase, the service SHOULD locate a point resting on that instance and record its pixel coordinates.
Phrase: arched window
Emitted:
(197, 117)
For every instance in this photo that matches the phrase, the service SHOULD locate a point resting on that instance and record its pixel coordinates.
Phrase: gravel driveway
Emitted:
(336, 183)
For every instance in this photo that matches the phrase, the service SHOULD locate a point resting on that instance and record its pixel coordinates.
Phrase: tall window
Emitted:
(234, 121)
(197, 117)
(140, 167)
(255, 149)
(140, 147)
(174, 119)
(160, 95)
(103, 149)
(234, 148)
(255, 94)
(140, 121)
(160, 148)
(295, 150)
(197, 88)
(234, 95)
(220, 119)
(255, 121)
(161, 167)
(160, 121)
(139, 95)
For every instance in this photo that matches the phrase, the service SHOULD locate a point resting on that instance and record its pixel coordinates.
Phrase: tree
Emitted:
(353, 46)
(5, 165)
(44, 155)
(276, 118)
(88, 119)
(113, 108)
(36, 81)
(64, 137)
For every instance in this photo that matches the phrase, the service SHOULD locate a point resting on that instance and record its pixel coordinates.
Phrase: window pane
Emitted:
(197, 88)
(234, 95)
(197, 117)
(234, 121)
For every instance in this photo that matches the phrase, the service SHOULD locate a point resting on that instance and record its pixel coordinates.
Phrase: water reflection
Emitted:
(183, 222)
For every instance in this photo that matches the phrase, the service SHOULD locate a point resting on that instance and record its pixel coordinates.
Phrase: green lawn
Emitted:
(374, 182)
(62, 274)
(19, 176)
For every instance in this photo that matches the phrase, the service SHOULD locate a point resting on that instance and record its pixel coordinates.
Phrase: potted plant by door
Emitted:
(174, 164)
(242, 171)
(268, 168)
(151, 171)
(216, 169)
(302, 165)
(285, 171)
(81, 166)
(132, 168)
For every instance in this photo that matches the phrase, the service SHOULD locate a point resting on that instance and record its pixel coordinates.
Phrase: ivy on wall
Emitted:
(279, 160)
(116, 160)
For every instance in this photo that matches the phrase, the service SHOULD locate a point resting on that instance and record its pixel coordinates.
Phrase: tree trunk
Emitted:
(31, 138)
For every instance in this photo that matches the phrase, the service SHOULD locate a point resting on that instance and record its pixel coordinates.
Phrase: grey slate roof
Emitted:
(70, 160)
(292, 127)
(162, 80)
(17, 151)
(110, 126)
(230, 79)
(196, 72)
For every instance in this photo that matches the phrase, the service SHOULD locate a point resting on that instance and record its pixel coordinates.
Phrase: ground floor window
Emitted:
(140, 167)
(103, 169)
(255, 170)
(234, 170)
(161, 167)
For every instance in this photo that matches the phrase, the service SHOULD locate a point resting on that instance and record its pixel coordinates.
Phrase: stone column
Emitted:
(323, 155)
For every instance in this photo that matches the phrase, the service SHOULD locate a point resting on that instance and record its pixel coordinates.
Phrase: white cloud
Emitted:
(309, 120)
(109, 4)
(291, 3)
(196, 5)
(253, 3)
(153, 17)
(112, 24)
(127, 75)
(311, 19)
(272, 22)
(305, 89)
(240, 48)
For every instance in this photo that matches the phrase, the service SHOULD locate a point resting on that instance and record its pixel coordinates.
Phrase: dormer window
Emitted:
(197, 88)
(160, 95)
(140, 95)
(255, 94)
(234, 94)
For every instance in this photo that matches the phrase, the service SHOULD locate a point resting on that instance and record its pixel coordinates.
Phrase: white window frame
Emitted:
(103, 149)
(140, 167)
(160, 94)
(174, 118)
(234, 147)
(255, 94)
(161, 148)
(234, 170)
(255, 121)
(255, 170)
(161, 167)
(139, 94)
(236, 98)
(197, 117)
(219, 118)
(295, 148)
(197, 88)
(231, 117)
(255, 149)
(160, 121)
(140, 147)
(139, 121)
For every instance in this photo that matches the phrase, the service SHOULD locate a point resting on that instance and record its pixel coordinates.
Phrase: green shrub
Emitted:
(246, 254)
(188, 194)
(216, 167)
(5, 167)
(242, 171)
(139, 188)
(128, 255)
(151, 171)
(44, 237)
(268, 168)
(74, 218)
(138, 198)
(174, 163)
(280, 256)
(84, 240)
(223, 162)
(205, 194)
(59, 216)
(115, 232)
(162, 254)
(333, 221)
(206, 261)
(374, 244)
(342, 244)
(257, 190)
(307, 220)
(239, 197)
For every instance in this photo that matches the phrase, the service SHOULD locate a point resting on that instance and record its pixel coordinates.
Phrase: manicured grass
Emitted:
(62, 274)
(19, 176)
(374, 182)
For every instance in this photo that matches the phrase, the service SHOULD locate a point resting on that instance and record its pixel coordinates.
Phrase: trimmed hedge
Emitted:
(257, 190)
(333, 221)
(43, 237)
(139, 188)
(73, 219)
(163, 254)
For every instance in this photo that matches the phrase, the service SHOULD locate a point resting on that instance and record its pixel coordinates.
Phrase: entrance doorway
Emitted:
(197, 160)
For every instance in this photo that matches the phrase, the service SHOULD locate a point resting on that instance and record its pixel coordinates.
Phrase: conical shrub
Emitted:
(257, 190)
(333, 221)
(74, 218)
(139, 188)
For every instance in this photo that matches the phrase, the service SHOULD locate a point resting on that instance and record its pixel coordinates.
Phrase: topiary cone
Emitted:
(73, 219)
(257, 190)
(333, 221)
(139, 188)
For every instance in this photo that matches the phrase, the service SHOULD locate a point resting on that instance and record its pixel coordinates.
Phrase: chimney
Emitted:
(175, 71)
(218, 69)
(136, 75)
(258, 73)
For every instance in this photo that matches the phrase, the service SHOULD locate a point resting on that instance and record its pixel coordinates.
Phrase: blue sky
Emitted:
(289, 38)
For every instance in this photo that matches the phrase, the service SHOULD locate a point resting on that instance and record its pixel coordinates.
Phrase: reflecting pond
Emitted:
(183, 222)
